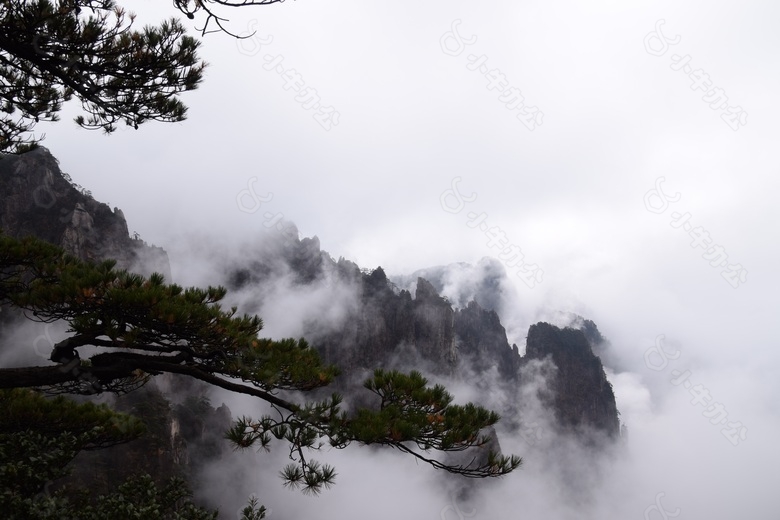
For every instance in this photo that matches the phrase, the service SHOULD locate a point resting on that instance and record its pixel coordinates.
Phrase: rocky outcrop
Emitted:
(179, 440)
(390, 329)
(433, 327)
(484, 282)
(387, 327)
(37, 199)
(160, 451)
(583, 397)
(483, 342)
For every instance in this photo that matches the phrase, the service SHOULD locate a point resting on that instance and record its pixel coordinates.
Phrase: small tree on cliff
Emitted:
(143, 327)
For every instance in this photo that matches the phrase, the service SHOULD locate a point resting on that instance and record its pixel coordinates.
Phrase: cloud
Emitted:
(561, 477)
(570, 194)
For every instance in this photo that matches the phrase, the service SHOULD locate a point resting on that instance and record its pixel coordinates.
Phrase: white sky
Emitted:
(569, 193)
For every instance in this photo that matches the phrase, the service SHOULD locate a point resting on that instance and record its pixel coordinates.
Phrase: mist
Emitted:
(597, 195)
(670, 458)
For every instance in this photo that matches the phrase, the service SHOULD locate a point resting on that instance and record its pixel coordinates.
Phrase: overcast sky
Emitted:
(570, 189)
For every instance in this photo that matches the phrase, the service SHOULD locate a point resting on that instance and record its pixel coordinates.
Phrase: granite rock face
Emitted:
(390, 329)
(416, 328)
(413, 327)
(583, 397)
(37, 199)
(180, 440)
(483, 341)
(386, 328)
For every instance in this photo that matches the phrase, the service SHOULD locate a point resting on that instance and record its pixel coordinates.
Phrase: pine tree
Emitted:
(39, 437)
(53, 51)
(144, 327)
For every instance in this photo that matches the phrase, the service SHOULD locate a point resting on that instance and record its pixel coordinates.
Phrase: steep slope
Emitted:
(37, 199)
(483, 342)
(391, 329)
(583, 396)
(412, 327)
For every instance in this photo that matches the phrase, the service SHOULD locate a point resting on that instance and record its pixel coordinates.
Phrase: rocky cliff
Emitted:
(38, 199)
(415, 327)
(389, 329)
(412, 327)
(184, 433)
(583, 398)
(392, 329)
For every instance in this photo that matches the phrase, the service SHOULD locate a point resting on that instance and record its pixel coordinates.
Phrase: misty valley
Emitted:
(555, 402)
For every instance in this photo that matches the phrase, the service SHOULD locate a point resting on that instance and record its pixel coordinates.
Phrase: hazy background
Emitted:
(569, 194)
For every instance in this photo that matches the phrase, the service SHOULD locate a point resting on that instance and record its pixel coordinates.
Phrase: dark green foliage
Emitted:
(25, 410)
(52, 51)
(180, 330)
(409, 413)
(140, 498)
(185, 331)
(253, 510)
(39, 437)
